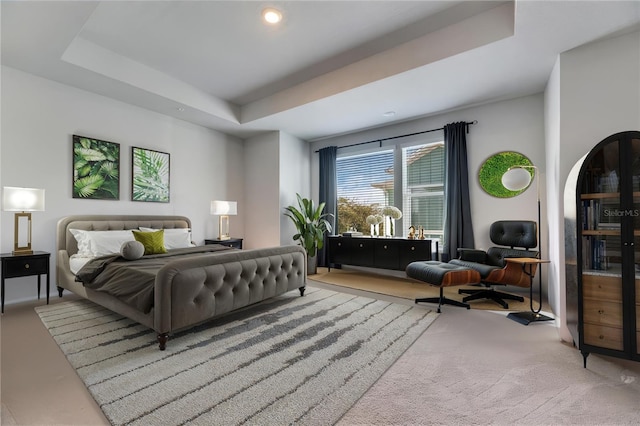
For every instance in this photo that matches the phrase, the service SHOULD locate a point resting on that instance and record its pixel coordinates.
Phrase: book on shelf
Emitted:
(594, 216)
(594, 253)
(615, 226)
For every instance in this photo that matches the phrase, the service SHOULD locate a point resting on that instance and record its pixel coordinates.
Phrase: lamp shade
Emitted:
(22, 199)
(224, 208)
(516, 178)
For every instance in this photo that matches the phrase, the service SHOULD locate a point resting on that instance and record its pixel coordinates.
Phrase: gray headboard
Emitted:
(66, 241)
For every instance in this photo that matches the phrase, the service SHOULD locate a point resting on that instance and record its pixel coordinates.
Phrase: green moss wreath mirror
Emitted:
(491, 171)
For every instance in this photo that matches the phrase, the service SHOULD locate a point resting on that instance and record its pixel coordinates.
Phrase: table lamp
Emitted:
(23, 201)
(224, 209)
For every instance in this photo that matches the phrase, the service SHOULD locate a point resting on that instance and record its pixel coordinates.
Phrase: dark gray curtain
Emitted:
(458, 230)
(328, 192)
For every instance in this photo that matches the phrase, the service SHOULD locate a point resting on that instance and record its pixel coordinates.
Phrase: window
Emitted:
(366, 183)
(423, 188)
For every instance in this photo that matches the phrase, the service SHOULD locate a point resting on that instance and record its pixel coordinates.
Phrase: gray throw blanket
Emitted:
(132, 281)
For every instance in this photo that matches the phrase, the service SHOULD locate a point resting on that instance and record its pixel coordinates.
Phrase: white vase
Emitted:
(389, 226)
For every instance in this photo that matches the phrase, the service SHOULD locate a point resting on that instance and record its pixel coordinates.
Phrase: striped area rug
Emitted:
(289, 360)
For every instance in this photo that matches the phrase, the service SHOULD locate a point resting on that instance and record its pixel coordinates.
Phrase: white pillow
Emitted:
(101, 243)
(174, 238)
(83, 242)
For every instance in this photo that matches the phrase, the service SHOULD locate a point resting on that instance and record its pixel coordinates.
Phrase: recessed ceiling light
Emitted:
(180, 109)
(271, 15)
(389, 113)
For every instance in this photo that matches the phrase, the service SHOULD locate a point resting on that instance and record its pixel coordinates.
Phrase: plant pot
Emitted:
(312, 265)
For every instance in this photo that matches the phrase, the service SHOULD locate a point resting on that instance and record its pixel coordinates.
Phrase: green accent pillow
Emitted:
(153, 242)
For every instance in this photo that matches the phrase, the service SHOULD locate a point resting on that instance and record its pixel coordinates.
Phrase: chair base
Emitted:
(526, 318)
(443, 301)
(488, 293)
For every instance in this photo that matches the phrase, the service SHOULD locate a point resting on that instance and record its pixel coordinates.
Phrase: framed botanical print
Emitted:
(150, 175)
(96, 169)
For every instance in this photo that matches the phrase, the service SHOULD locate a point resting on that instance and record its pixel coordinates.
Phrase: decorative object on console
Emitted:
(96, 169)
(492, 170)
(374, 221)
(391, 214)
(224, 209)
(23, 201)
(150, 175)
(518, 178)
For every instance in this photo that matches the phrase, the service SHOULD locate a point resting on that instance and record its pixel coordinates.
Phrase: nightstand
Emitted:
(232, 242)
(25, 265)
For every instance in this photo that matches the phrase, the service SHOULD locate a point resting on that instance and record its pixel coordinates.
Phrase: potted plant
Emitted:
(311, 224)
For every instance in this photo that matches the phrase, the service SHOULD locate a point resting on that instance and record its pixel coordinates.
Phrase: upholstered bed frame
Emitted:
(188, 291)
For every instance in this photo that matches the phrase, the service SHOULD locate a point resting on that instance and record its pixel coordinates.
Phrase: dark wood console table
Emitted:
(384, 253)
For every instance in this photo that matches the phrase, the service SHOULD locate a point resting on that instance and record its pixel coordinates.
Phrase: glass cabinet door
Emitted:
(635, 181)
(602, 214)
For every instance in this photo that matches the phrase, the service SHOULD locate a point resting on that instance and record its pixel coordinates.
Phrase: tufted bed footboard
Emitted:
(193, 290)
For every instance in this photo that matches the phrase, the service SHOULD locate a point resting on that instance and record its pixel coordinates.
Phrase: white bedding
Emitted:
(92, 244)
(76, 262)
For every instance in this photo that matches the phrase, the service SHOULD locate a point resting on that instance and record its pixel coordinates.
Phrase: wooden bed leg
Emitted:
(162, 340)
(302, 290)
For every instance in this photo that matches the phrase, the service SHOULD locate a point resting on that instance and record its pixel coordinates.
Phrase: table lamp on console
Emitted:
(224, 209)
(23, 201)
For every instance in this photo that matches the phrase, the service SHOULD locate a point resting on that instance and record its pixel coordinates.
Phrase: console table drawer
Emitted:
(603, 313)
(386, 254)
(18, 267)
(604, 337)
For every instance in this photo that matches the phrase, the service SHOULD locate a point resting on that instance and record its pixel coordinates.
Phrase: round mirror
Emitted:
(490, 175)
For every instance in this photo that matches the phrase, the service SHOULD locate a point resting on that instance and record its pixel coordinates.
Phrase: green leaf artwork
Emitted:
(491, 171)
(150, 175)
(96, 169)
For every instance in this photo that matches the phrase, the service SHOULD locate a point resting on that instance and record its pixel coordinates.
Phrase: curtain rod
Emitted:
(468, 123)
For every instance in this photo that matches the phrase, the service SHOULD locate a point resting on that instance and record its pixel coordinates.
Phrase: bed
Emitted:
(186, 290)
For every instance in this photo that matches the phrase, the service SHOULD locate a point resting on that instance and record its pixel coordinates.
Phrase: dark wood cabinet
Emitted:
(232, 242)
(383, 253)
(602, 249)
(24, 265)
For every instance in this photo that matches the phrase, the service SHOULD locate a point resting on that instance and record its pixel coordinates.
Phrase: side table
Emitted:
(534, 315)
(25, 265)
(231, 242)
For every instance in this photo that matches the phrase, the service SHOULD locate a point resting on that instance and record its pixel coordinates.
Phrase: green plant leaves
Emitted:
(150, 175)
(96, 169)
(310, 223)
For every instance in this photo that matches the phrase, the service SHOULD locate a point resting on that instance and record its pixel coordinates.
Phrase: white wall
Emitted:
(39, 118)
(599, 95)
(294, 179)
(276, 168)
(262, 200)
(514, 125)
(553, 212)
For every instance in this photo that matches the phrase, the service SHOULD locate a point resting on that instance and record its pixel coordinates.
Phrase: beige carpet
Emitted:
(405, 288)
(287, 360)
